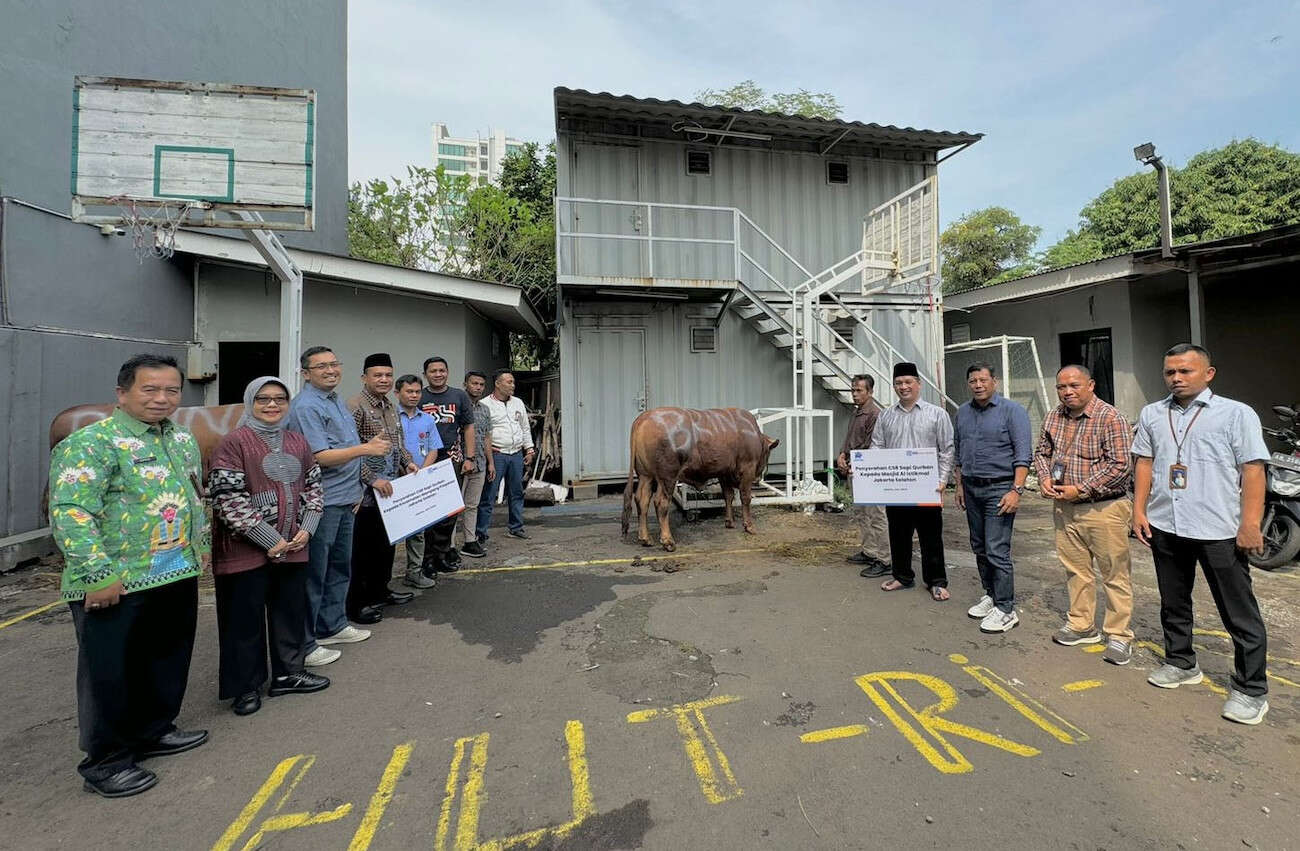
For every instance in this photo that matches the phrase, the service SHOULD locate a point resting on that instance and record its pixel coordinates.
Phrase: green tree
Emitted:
(749, 95)
(498, 232)
(508, 233)
(1243, 187)
(412, 221)
(984, 247)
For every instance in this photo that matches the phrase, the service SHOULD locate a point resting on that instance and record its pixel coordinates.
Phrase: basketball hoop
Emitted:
(153, 224)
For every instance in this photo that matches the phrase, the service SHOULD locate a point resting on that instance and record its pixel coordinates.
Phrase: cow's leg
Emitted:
(644, 483)
(728, 490)
(746, 492)
(663, 505)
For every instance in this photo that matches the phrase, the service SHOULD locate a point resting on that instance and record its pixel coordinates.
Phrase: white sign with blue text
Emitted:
(895, 476)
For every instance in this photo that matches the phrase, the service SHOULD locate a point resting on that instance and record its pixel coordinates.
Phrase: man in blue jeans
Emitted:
(318, 414)
(512, 452)
(993, 446)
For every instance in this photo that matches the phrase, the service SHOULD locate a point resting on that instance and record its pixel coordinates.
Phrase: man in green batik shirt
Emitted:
(126, 511)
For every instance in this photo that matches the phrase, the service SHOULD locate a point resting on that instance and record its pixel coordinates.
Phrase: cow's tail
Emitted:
(627, 495)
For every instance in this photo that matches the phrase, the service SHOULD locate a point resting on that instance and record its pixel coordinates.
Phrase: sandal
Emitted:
(894, 585)
(939, 593)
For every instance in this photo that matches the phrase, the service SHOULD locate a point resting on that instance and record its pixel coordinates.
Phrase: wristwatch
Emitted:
(1020, 489)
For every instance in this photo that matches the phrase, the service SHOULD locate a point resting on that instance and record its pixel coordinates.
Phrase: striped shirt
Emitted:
(926, 426)
(1094, 446)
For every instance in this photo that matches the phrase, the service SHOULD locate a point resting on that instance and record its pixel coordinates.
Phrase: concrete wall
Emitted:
(240, 304)
(1046, 318)
(291, 43)
(1160, 319)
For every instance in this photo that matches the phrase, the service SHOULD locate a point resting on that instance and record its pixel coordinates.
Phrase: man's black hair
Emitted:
(311, 353)
(146, 360)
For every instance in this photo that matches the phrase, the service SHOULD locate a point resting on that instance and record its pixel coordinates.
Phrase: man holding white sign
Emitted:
(914, 424)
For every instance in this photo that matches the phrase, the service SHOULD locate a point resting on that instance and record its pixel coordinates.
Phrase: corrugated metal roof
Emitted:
(582, 104)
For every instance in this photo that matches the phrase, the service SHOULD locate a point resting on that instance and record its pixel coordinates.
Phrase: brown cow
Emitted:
(669, 445)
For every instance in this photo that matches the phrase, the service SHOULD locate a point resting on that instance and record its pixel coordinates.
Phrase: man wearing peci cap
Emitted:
(913, 423)
(374, 413)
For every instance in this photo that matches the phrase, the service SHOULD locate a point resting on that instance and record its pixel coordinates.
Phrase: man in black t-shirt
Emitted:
(453, 411)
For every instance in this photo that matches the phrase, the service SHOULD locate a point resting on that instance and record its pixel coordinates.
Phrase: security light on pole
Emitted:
(1146, 154)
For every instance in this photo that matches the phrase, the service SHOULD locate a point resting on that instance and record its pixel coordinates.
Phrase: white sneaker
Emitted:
(999, 621)
(347, 635)
(983, 608)
(321, 656)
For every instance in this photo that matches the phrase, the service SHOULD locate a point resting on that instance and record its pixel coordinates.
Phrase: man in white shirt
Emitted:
(512, 452)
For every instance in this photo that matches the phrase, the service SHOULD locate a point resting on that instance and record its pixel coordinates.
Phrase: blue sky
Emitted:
(1062, 91)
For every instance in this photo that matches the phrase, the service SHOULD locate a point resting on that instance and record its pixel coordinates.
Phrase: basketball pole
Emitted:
(277, 258)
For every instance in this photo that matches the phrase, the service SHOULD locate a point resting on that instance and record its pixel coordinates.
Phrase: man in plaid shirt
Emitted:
(1082, 462)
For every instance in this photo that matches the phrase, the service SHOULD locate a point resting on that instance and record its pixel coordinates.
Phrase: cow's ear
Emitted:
(772, 442)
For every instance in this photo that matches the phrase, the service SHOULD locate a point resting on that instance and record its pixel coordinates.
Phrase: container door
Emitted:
(611, 377)
(608, 173)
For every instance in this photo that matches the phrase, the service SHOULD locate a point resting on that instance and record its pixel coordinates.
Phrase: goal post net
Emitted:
(1019, 372)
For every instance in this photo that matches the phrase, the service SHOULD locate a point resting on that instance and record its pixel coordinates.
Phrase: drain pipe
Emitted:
(1146, 154)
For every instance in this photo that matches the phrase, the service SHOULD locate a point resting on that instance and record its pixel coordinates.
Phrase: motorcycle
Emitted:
(1281, 524)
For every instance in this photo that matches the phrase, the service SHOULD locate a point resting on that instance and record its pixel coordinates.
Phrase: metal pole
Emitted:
(1166, 215)
(1006, 368)
(650, 236)
(291, 331)
(1196, 305)
(808, 384)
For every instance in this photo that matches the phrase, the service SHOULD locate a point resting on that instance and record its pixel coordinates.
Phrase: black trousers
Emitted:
(133, 661)
(437, 538)
(927, 524)
(372, 560)
(270, 600)
(1228, 575)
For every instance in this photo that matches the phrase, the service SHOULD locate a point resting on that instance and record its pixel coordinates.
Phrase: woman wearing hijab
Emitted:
(266, 501)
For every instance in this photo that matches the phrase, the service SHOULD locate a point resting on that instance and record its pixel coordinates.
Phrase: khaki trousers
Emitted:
(872, 529)
(1096, 534)
(470, 490)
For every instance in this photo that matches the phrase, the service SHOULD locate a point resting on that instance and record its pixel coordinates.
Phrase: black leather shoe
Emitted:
(448, 566)
(398, 598)
(367, 615)
(859, 558)
(452, 557)
(302, 682)
(124, 784)
(519, 533)
(177, 741)
(247, 703)
(431, 566)
(876, 568)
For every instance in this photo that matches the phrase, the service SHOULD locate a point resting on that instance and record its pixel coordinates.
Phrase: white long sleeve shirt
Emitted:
(510, 431)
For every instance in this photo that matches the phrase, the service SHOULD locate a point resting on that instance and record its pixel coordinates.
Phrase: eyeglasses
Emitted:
(267, 400)
(334, 364)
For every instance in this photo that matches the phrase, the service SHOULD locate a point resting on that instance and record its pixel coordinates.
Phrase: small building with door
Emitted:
(1118, 315)
(686, 236)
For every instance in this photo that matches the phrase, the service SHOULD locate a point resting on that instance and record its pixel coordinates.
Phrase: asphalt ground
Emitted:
(578, 691)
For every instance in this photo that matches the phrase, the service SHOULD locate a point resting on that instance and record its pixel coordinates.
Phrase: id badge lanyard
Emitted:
(1178, 470)
(1062, 461)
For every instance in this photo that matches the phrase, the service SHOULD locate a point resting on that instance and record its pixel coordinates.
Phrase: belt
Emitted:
(976, 480)
(1096, 499)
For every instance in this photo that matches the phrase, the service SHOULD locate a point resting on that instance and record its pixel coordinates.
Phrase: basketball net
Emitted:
(153, 225)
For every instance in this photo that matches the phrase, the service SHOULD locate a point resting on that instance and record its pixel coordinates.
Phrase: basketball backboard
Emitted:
(194, 152)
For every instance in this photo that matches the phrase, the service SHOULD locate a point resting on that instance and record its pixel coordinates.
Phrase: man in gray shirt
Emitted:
(1199, 496)
(916, 424)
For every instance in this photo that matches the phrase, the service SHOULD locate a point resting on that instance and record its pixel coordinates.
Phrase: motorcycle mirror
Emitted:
(1284, 412)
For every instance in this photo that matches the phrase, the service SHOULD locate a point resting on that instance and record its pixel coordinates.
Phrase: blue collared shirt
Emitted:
(1226, 435)
(991, 441)
(420, 433)
(324, 419)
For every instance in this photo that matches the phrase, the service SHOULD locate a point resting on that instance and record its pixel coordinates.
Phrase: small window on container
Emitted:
(704, 339)
(699, 162)
(837, 172)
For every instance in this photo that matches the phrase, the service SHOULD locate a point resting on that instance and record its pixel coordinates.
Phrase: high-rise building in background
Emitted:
(478, 156)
